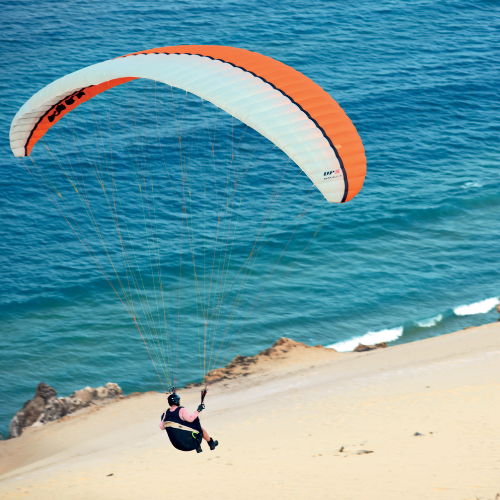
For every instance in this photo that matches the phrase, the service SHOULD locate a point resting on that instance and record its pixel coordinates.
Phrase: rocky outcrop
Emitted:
(239, 366)
(363, 347)
(284, 348)
(89, 394)
(47, 407)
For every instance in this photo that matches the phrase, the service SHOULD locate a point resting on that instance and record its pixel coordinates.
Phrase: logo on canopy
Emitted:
(332, 174)
(67, 101)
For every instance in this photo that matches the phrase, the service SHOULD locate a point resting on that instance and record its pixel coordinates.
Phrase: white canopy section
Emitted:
(245, 96)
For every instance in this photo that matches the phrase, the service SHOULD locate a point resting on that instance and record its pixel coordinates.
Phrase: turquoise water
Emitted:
(420, 83)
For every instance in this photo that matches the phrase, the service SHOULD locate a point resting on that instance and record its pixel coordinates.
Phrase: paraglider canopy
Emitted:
(279, 102)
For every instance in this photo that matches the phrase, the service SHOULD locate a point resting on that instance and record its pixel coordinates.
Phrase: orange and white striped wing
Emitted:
(279, 102)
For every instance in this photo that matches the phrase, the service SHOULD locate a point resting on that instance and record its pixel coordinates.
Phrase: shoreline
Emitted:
(395, 335)
(44, 409)
(304, 413)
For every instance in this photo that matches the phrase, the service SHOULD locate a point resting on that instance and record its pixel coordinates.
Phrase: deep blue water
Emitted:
(419, 80)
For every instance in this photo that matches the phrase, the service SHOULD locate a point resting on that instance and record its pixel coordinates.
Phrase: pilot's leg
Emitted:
(206, 437)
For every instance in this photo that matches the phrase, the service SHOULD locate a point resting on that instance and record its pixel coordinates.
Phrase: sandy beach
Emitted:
(306, 423)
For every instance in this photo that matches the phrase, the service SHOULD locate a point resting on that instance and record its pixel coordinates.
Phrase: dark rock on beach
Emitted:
(47, 407)
(363, 347)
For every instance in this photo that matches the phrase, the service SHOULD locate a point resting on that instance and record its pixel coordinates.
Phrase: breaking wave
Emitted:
(427, 323)
(441, 320)
(481, 307)
(369, 338)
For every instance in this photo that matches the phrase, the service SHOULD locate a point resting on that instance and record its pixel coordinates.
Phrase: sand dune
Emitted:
(306, 424)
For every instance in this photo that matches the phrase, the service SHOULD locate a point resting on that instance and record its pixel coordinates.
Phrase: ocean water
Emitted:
(414, 255)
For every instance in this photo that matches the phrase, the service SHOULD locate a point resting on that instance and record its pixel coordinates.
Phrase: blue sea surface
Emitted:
(414, 255)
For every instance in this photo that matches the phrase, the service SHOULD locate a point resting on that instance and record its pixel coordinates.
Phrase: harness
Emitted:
(185, 436)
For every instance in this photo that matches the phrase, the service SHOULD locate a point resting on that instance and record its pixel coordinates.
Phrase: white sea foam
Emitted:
(368, 338)
(427, 323)
(481, 307)
(472, 184)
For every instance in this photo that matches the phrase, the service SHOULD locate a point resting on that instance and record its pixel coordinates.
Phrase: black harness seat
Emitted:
(185, 436)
